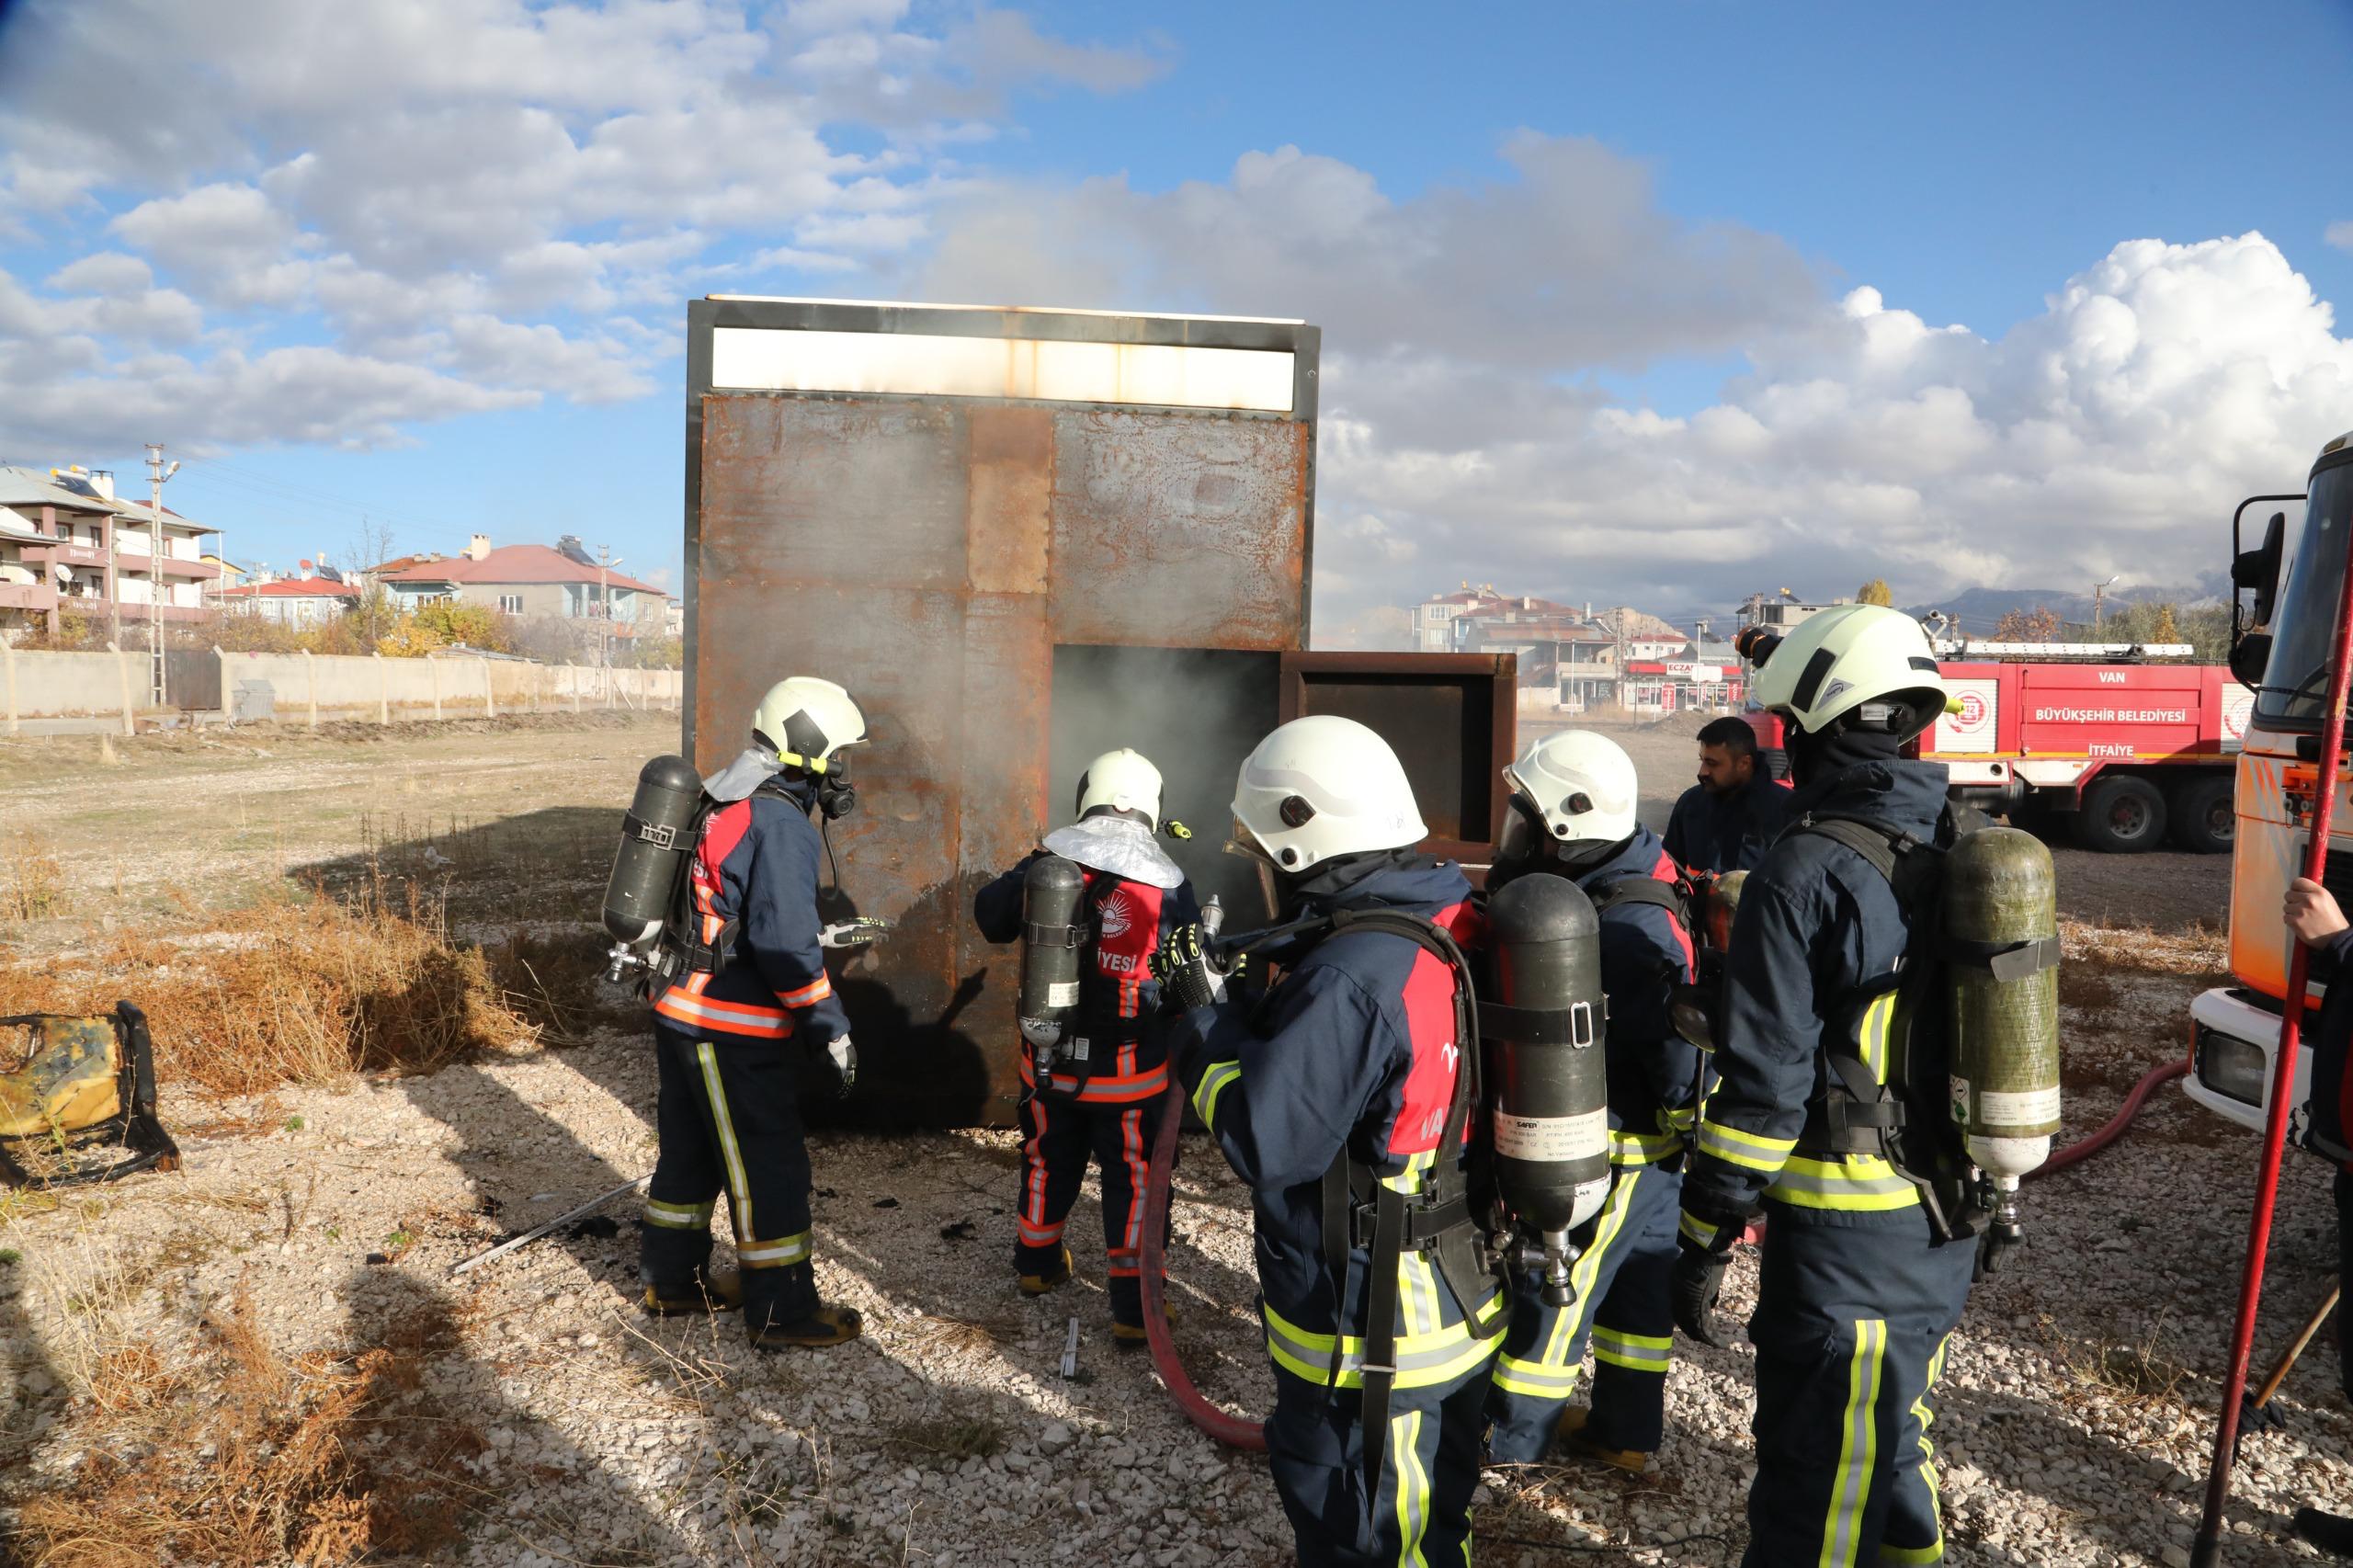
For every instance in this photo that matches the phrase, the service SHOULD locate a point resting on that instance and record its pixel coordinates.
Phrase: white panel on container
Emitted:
(919, 365)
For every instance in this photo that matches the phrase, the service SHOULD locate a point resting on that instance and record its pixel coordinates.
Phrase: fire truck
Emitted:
(2286, 591)
(2131, 750)
(2135, 751)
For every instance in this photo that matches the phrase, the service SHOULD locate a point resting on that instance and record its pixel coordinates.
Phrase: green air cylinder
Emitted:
(1547, 1070)
(2001, 923)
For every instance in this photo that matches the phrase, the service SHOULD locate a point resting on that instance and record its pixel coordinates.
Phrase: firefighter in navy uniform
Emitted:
(1573, 796)
(1112, 1104)
(1341, 1081)
(730, 1032)
(1856, 1291)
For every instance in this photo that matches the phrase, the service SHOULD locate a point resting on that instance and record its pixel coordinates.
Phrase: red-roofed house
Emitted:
(524, 579)
(297, 601)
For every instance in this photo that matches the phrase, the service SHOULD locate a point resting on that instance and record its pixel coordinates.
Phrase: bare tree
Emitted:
(371, 547)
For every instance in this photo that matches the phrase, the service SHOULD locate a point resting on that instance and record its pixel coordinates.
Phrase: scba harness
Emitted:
(1885, 1085)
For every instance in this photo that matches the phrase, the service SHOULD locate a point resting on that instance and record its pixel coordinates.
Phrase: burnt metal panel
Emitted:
(927, 553)
(1453, 720)
(1178, 530)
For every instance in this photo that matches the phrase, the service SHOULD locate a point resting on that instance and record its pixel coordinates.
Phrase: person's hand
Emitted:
(2312, 913)
(1693, 1283)
(1189, 977)
(844, 1057)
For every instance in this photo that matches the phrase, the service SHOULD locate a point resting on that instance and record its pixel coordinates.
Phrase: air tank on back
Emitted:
(2001, 925)
(1546, 1065)
(657, 838)
(1051, 939)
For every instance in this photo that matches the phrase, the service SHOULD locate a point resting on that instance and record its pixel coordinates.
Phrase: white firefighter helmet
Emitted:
(804, 720)
(1123, 780)
(1865, 660)
(1581, 785)
(1319, 787)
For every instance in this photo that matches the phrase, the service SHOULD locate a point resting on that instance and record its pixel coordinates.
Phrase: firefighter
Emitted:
(1724, 821)
(1857, 1290)
(2316, 920)
(1343, 1077)
(1110, 1091)
(728, 1037)
(1571, 814)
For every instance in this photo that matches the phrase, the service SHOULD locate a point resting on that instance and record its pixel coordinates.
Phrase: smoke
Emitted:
(1195, 714)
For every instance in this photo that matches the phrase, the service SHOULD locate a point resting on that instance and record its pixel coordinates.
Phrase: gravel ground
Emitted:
(2078, 1403)
(2078, 1398)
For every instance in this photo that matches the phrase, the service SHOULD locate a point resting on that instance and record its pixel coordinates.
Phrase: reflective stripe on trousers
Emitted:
(1845, 1477)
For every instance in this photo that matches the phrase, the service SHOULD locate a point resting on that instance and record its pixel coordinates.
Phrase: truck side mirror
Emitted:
(2249, 655)
(2258, 570)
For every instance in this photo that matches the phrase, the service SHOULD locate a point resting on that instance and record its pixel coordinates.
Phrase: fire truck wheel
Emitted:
(2122, 814)
(2204, 818)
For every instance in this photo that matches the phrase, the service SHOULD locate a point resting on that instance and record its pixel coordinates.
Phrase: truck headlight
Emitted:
(2232, 1068)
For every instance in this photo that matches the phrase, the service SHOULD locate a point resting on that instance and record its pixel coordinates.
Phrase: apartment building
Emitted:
(66, 540)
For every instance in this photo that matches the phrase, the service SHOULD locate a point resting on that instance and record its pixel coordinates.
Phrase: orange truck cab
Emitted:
(2286, 591)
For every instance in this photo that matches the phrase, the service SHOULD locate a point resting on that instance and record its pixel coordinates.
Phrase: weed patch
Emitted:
(283, 992)
(32, 884)
(244, 1457)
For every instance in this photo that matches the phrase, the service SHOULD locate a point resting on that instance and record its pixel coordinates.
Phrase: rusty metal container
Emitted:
(1022, 537)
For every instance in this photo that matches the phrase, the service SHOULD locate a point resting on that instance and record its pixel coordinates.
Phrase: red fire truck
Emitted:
(2133, 751)
(2137, 752)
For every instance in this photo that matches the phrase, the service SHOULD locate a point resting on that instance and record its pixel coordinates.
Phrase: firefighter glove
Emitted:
(844, 1057)
(1693, 1285)
(1190, 976)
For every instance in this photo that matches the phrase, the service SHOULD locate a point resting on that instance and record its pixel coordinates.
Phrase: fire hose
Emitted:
(1232, 1430)
(2087, 1147)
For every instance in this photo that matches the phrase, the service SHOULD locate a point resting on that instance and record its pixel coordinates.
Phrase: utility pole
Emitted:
(2099, 593)
(606, 561)
(157, 471)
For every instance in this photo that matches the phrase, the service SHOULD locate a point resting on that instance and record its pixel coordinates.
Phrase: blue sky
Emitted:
(480, 220)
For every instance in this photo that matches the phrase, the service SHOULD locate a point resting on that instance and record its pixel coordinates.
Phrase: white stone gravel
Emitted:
(610, 1439)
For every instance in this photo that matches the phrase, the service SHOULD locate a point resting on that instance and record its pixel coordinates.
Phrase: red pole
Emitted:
(2208, 1551)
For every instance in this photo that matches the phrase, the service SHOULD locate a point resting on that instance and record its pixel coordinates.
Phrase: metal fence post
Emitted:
(489, 696)
(122, 674)
(310, 678)
(383, 692)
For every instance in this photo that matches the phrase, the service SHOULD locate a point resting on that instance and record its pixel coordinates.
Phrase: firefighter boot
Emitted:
(1132, 1336)
(821, 1329)
(1573, 1437)
(1041, 1284)
(704, 1294)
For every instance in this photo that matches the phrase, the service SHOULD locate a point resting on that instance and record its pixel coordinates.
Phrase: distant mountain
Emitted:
(1978, 610)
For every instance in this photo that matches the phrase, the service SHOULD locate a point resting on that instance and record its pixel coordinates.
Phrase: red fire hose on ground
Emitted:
(1231, 1430)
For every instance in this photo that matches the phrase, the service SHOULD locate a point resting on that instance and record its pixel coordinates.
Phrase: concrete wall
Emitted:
(69, 686)
(311, 688)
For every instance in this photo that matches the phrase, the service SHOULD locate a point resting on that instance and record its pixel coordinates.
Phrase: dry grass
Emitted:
(244, 1457)
(284, 992)
(32, 882)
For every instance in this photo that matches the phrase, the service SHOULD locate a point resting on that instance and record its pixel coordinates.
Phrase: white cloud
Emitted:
(2340, 234)
(417, 195)
(1461, 434)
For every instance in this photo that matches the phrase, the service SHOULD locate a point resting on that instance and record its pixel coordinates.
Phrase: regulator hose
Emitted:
(1231, 1430)
(2117, 1123)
